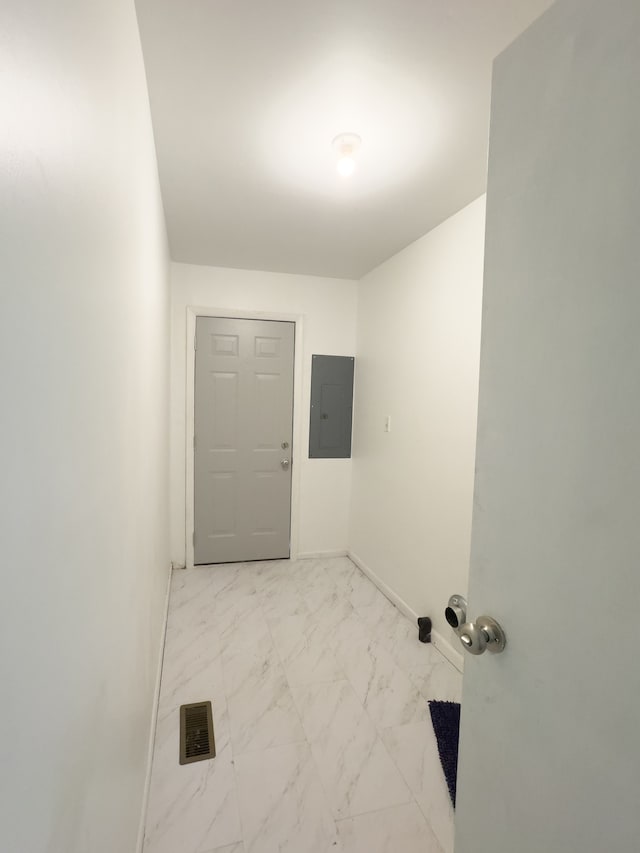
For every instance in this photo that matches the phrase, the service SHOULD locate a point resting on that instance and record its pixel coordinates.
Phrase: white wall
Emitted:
(84, 373)
(418, 355)
(328, 308)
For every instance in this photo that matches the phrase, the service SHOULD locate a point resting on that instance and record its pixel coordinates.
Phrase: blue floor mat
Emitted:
(445, 717)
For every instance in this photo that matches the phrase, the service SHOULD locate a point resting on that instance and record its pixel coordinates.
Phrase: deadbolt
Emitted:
(456, 612)
(284, 445)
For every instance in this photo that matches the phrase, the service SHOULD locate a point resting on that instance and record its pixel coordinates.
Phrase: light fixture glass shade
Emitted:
(346, 145)
(346, 166)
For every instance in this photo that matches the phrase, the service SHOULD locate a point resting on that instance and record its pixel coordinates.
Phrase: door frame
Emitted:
(193, 312)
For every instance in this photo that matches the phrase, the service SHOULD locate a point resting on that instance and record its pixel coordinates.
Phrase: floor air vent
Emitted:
(196, 733)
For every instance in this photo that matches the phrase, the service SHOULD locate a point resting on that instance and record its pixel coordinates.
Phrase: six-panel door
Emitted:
(243, 437)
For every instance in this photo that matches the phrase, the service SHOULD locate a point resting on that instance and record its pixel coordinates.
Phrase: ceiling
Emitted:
(247, 96)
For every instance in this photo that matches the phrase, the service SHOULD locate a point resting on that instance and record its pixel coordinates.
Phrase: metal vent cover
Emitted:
(197, 742)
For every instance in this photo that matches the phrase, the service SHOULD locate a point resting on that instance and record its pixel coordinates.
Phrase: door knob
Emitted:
(482, 635)
(476, 637)
(285, 463)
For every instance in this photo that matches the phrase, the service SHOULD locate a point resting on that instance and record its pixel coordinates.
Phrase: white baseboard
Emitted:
(320, 555)
(393, 596)
(439, 642)
(447, 650)
(154, 719)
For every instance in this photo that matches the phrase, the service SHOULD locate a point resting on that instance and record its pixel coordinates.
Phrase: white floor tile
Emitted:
(261, 709)
(279, 595)
(192, 665)
(318, 591)
(319, 690)
(358, 588)
(340, 568)
(239, 617)
(399, 830)
(331, 614)
(282, 802)
(415, 751)
(192, 600)
(356, 770)
(192, 807)
(378, 611)
(386, 691)
(438, 680)
(398, 636)
(304, 651)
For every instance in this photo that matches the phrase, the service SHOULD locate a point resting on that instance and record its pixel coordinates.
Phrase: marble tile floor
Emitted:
(319, 689)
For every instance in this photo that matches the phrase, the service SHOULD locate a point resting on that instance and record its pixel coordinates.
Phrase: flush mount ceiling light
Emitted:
(345, 145)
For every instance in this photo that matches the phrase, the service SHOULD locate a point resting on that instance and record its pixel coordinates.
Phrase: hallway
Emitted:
(319, 689)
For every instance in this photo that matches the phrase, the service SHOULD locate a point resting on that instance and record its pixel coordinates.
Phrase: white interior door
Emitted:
(550, 733)
(243, 437)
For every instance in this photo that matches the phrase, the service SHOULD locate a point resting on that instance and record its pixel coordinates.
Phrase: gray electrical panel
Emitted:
(331, 406)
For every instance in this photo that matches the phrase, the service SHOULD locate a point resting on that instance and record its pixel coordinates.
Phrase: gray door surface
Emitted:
(550, 737)
(243, 437)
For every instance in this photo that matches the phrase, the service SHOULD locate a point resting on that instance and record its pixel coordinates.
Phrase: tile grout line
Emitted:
(306, 739)
(231, 747)
(365, 713)
(327, 799)
(413, 795)
(378, 730)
